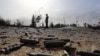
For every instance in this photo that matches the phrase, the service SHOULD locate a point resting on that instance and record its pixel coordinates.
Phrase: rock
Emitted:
(10, 49)
(82, 53)
(54, 43)
(3, 36)
(51, 35)
(71, 51)
(26, 34)
(65, 40)
(40, 54)
(50, 38)
(79, 44)
(5, 51)
(15, 47)
(29, 41)
(96, 51)
(2, 51)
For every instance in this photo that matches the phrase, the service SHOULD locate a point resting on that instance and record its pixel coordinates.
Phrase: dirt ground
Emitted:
(83, 39)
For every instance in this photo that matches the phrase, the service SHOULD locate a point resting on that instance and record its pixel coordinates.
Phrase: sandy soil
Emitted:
(82, 38)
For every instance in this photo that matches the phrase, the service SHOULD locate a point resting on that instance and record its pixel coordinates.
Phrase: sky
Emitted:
(59, 11)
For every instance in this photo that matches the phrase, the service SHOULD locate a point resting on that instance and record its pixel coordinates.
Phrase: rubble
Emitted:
(51, 42)
(29, 41)
(10, 49)
(96, 51)
(39, 54)
(50, 38)
(71, 51)
(54, 43)
(82, 53)
(51, 35)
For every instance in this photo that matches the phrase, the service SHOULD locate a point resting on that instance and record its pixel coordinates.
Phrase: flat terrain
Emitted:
(83, 39)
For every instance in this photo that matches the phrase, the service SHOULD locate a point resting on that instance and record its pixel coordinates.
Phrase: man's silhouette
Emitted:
(46, 20)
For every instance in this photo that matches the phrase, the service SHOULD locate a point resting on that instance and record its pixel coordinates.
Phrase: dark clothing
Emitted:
(46, 21)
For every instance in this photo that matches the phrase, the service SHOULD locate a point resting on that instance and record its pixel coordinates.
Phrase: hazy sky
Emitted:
(58, 10)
